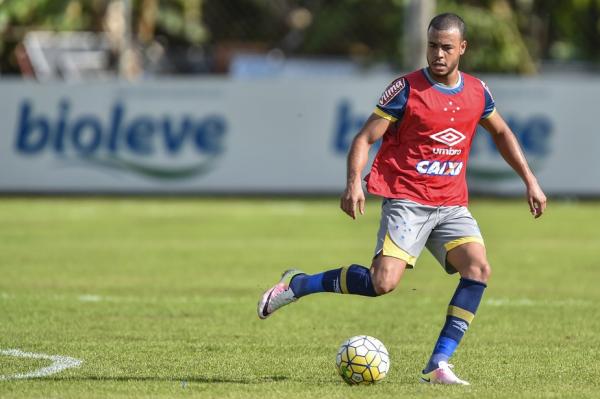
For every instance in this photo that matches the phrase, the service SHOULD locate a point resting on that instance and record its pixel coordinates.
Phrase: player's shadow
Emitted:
(180, 380)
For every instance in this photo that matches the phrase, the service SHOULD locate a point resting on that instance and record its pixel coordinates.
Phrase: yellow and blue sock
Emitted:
(461, 312)
(354, 279)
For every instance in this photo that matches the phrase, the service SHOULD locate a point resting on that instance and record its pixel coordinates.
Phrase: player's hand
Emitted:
(352, 198)
(537, 200)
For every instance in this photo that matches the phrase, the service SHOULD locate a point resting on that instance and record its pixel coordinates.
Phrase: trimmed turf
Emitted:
(157, 297)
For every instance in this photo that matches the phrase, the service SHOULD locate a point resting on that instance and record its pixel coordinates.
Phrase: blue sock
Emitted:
(461, 312)
(354, 279)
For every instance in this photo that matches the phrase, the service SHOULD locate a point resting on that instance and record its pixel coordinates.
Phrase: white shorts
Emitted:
(406, 227)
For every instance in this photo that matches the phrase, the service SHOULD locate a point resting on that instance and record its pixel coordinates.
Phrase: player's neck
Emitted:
(450, 80)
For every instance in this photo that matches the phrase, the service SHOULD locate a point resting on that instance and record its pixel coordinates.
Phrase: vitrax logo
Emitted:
(394, 88)
(450, 137)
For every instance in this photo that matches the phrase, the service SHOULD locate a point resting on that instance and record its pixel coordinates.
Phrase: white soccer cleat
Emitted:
(442, 375)
(278, 296)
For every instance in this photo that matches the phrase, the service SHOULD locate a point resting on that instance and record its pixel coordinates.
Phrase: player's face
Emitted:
(444, 49)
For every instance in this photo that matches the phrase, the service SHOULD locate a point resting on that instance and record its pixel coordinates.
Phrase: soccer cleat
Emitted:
(442, 375)
(277, 296)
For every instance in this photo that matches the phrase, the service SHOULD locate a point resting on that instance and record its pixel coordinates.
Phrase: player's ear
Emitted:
(463, 47)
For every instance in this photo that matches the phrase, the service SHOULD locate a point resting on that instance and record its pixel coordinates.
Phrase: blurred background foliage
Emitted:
(505, 36)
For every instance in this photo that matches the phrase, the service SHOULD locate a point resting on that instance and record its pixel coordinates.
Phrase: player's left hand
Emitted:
(537, 200)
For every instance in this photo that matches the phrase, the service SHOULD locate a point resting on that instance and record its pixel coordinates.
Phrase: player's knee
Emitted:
(384, 279)
(479, 270)
(386, 273)
(386, 282)
(384, 286)
(487, 272)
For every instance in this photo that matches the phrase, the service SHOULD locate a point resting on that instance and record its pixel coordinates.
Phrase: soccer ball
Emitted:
(362, 360)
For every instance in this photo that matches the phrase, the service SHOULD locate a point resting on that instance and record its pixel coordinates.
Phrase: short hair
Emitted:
(447, 21)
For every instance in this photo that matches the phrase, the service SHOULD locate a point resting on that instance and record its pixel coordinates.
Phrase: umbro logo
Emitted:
(336, 286)
(450, 137)
(461, 325)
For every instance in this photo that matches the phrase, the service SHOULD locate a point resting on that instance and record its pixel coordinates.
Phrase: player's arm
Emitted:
(509, 148)
(353, 196)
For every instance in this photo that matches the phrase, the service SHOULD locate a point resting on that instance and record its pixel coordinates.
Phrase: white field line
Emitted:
(500, 302)
(144, 299)
(527, 302)
(90, 298)
(59, 363)
(540, 303)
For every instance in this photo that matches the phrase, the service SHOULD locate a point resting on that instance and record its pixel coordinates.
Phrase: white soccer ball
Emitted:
(362, 360)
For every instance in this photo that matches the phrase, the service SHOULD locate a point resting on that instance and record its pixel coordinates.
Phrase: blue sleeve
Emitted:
(392, 102)
(490, 104)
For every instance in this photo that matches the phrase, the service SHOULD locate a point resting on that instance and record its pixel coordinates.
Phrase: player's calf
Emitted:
(353, 279)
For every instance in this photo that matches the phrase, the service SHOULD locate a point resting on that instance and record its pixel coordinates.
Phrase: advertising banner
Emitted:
(263, 136)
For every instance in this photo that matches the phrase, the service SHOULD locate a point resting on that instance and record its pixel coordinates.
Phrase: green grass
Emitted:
(157, 297)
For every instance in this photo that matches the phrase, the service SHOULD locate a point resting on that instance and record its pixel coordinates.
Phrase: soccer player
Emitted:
(427, 120)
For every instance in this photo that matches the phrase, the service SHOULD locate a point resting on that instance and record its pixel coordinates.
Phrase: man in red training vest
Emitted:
(427, 120)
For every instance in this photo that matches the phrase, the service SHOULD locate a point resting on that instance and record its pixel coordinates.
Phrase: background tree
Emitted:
(506, 36)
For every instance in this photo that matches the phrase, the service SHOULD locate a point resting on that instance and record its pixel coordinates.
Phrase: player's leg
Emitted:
(467, 256)
(294, 284)
(384, 275)
(386, 269)
(471, 262)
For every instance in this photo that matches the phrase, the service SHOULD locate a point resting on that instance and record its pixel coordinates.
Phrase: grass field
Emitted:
(157, 297)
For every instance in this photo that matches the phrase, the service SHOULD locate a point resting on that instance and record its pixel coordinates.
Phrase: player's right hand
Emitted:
(353, 198)
(537, 200)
